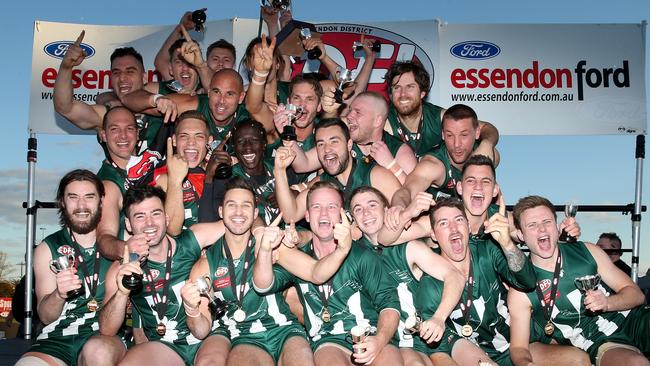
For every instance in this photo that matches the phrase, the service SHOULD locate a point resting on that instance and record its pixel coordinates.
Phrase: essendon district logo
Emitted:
(65, 250)
(58, 49)
(339, 38)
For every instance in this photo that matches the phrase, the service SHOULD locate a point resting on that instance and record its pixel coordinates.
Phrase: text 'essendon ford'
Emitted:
(536, 77)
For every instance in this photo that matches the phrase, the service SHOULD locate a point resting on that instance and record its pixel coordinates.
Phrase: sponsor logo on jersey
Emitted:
(221, 271)
(65, 250)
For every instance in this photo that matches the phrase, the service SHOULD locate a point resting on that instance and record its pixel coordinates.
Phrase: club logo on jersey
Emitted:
(451, 184)
(544, 285)
(65, 250)
(155, 273)
(221, 271)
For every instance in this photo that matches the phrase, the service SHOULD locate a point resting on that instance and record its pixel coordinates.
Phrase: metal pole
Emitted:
(31, 232)
(636, 216)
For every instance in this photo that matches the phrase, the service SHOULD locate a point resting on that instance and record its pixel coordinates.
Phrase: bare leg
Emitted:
(101, 350)
(414, 358)
(39, 359)
(466, 353)
(296, 352)
(247, 354)
(151, 353)
(442, 359)
(292, 299)
(556, 355)
(623, 356)
(388, 356)
(332, 355)
(213, 351)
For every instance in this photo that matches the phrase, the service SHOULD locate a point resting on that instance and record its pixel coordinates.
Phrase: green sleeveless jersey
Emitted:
(356, 295)
(75, 318)
(430, 134)
(262, 312)
(118, 176)
(149, 126)
(573, 324)
(488, 316)
(397, 267)
(452, 174)
(359, 176)
(186, 254)
(220, 132)
(392, 142)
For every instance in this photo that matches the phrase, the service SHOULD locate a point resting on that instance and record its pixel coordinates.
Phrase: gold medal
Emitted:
(467, 330)
(161, 329)
(326, 315)
(239, 315)
(549, 328)
(92, 305)
(368, 159)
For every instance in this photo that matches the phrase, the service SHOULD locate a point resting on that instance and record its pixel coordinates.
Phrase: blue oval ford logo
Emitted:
(475, 50)
(57, 49)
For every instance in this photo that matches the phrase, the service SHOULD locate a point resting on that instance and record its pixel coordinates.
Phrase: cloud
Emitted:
(13, 184)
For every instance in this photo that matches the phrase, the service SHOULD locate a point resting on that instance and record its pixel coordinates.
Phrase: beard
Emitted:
(341, 167)
(408, 111)
(82, 227)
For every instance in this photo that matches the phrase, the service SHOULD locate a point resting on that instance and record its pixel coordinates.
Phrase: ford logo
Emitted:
(58, 49)
(475, 50)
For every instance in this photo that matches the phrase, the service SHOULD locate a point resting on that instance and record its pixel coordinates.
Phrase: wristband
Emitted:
(155, 99)
(261, 74)
(397, 173)
(392, 163)
(190, 312)
(257, 82)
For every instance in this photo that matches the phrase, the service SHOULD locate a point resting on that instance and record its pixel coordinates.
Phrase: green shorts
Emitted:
(339, 339)
(272, 341)
(186, 351)
(65, 348)
(444, 345)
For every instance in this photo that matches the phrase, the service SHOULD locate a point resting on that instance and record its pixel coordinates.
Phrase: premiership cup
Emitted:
(315, 52)
(133, 281)
(586, 283)
(217, 307)
(61, 264)
(198, 17)
(358, 334)
(344, 78)
(570, 210)
(289, 132)
(412, 324)
(280, 5)
(358, 46)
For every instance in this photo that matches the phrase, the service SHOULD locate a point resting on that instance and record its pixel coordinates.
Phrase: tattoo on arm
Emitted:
(516, 259)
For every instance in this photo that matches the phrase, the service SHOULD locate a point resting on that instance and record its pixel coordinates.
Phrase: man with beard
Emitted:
(358, 295)
(260, 328)
(120, 170)
(366, 120)
(69, 336)
(438, 171)
(127, 75)
(416, 122)
(333, 145)
(221, 106)
(479, 325)
(158, 299)
(605, 320)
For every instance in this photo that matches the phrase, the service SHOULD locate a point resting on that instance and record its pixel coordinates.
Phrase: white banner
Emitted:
(551, 79)
(526, 79)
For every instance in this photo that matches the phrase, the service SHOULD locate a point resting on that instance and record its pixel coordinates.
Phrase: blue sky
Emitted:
(587, 169)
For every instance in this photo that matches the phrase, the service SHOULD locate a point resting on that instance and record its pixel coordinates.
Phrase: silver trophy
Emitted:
(294, 112)
(62, 263)
(216, 305)
(344, 80)
(358, 334)
(588, 282)
(133, 281)
(280, 5)
(570, 210)
(174, 85)
(314, 53)
(412, 324)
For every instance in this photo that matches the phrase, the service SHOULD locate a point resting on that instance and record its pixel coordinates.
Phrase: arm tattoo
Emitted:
(516, 259)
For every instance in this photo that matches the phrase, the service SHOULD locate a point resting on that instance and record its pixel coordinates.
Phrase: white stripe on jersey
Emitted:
(406, 305)
(274, 311)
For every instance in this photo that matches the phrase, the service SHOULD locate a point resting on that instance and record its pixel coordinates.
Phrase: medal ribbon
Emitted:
(466, 306)
(325, 296)
(547, 307)
(94, 280)
(239, 296)
(405, 137)
(160, 304)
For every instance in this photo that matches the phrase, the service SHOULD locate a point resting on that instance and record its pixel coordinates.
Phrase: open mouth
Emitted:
(476, 199)
(456, 241)
(544, 242)
(238, 220)
(249, 158)
(82, 214)
(124, 88)
(324, 223)
(191, 154)
(330, 160)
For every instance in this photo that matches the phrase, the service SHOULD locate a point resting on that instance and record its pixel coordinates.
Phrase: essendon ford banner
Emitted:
(526, 79)
(551, 79)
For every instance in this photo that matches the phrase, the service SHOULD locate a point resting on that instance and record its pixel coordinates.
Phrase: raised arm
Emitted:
(51, 289)
(262, 65)
(79, 113)
(198, 315)
(162, 60)
(177, 169)
(293, 208)
(112, 313)
(520, 313)
(108, 228)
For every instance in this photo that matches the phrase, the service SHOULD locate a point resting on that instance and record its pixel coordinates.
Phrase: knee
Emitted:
(99, 351)
(637, 360)
(211, 359)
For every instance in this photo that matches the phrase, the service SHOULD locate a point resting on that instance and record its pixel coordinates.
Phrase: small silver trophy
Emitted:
(412, 324)
(216, 305)
(344, 79)
(358, 334)
(314, 53)
(62, 263)
(570, 210)
(133, 281)
(294, 112)
(588, 282)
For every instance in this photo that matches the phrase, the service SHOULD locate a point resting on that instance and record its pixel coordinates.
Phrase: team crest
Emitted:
(544, 285)
(155, 273)
(221, 271)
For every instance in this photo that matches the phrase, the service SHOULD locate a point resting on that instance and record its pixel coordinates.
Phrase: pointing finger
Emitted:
(502, 204)
(170, 147)
(185, 34)
(276, 221)
(344, 218)
(80, 38)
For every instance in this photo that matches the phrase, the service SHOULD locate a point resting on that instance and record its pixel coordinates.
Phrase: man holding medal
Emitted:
(581, 298)
(157, 299)
(68, 301)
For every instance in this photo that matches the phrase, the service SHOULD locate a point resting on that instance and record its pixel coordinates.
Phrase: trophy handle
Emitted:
(71, 260)
(53, 266)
